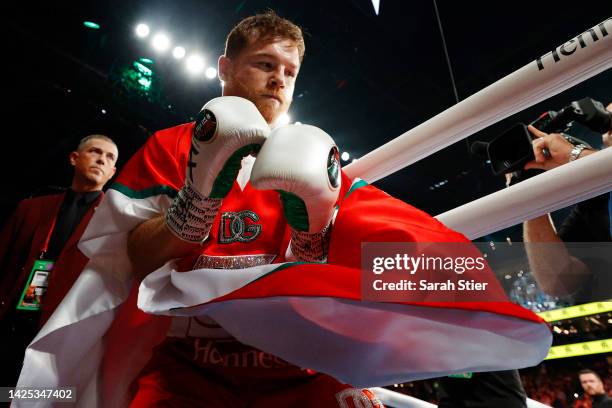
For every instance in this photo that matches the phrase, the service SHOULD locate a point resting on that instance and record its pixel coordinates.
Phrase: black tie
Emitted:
(65, 224)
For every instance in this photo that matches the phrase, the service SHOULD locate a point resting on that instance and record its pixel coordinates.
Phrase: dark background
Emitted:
(365, 79)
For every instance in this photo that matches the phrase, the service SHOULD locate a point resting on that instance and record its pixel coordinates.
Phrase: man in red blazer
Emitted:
(39, 258)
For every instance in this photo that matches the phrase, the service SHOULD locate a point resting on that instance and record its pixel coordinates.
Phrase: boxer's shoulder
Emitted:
(172, 136)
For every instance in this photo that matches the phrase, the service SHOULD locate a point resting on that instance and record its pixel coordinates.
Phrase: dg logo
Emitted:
(238, 227)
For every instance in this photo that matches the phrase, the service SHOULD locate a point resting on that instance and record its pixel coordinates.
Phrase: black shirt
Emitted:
(70, 214)
(499, 389)
(602, 401)
(589, 222)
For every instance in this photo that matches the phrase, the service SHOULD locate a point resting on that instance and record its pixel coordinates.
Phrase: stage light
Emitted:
(283, 119)
(345, 156)
(160, 42)
(195, 64)
(211, 73)
(376, 4)
(142, 75)
(142, 69)
(146, 60)
(91, 24)
(178, 52)
(142, 30)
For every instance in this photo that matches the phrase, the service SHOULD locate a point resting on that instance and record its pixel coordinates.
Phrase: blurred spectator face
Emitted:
(591, 384)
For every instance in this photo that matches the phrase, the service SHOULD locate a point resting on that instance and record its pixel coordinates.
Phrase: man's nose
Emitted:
(277, 79)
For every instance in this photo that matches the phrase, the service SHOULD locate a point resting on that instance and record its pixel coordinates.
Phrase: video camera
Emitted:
(511, 150)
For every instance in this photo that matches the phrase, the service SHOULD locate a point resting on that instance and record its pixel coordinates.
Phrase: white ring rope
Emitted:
(555, 189)
(576, 60)
(546, 192)
(394, 399)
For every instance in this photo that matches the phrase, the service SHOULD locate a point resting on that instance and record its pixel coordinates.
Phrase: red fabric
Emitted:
(273, 237)
(160, 162)
(371, 215)
(226, 373)
(367, 215)
(169, 380)
(148, 332)
(21, 241)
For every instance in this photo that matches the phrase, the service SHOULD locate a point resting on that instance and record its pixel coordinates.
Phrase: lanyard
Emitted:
(45, 248)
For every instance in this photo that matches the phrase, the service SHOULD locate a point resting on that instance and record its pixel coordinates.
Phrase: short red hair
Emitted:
(261, 26)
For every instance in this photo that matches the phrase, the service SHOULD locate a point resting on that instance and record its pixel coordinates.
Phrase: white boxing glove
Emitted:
(226, 130)
(301, 162)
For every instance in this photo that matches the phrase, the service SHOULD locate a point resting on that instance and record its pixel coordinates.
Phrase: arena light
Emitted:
(160, 42)
(283, 119)
(195, 64)
(143, 76)
(211, 73)
(580, 349)
(142, 69)
(142, 30)
(571, 312)
(345, 156)
(92, 25)
(376, 4)
(178, 52)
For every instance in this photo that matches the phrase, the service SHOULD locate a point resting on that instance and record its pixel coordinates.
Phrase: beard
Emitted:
(269, 108)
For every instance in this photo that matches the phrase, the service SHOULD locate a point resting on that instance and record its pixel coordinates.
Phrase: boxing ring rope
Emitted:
(569, 64)
(546, 192)
(582, 57)
(396, 400)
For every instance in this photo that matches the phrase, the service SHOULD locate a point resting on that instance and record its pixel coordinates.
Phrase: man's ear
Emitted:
(224, 67)
(73, 156)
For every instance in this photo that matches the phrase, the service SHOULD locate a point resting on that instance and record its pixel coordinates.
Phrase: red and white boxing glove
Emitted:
(226, 130)
(301, 162)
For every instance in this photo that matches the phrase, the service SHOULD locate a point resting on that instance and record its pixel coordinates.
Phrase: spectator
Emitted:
(39, 258)
(557, 272)
(593, 386)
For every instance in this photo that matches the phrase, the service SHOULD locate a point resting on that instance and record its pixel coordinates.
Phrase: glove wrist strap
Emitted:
(191, 215)
(311, 247)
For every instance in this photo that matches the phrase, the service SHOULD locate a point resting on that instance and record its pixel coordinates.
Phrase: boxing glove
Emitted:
(301, 162)
(226, 130)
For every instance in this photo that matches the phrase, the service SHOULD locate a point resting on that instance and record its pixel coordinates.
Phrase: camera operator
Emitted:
(557, 272)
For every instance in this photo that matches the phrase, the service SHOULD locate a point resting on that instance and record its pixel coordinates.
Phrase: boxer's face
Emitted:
(263, 72)
(94, 164)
